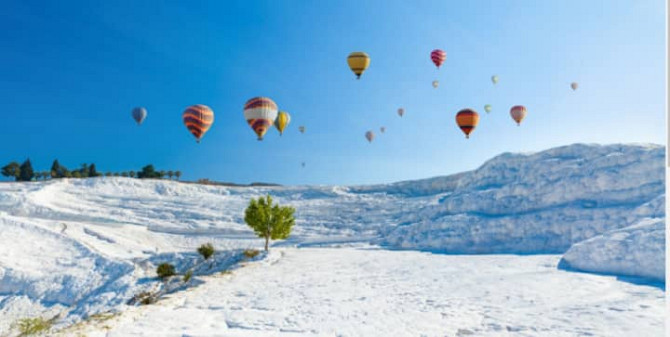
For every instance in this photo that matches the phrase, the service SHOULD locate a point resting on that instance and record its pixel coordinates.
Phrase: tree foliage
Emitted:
(271, 222)
(26, 171)
(12, 170)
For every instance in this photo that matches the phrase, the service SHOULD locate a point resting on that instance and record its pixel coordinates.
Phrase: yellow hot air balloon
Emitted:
(282, 121)
(436, 84)
(358, 61)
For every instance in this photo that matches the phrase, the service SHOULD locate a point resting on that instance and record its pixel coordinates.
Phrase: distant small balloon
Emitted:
(436, 83)
(518, 113)
(494, 79)
(139, 114)
(438, 56)
(574, 85)
(382, 129)
(487, 108)
(301, 129)
(303, 164)
(401, 112)
(369, 136)
(358, 63)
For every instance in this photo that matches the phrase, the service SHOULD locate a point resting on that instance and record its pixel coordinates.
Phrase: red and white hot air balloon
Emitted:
(518, 113)
(438, 56)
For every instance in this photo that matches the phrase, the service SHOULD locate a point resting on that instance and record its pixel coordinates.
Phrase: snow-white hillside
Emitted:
(637, 250)
(75, 247)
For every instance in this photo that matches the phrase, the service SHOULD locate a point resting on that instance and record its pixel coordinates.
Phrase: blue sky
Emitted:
(70, 73)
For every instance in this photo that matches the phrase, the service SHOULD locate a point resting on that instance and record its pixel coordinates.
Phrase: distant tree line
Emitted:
(25, 172)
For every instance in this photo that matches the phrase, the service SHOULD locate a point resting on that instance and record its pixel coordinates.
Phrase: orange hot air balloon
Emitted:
(198, 119)
(467, 120)
(518, 113)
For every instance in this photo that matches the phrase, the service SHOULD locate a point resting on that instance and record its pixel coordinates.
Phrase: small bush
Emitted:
(206, 250)
(188, 275)
(165, 270)
(31, 326)
(251, 253)
(143, 298)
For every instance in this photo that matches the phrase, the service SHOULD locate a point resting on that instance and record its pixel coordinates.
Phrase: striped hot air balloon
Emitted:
(198, 119)
(358, 61)
(401, 112)
(282, 121)
(139, 114)
(370, 136)
(467, 120)
(518, 113)
(260, 113)
(438, 56)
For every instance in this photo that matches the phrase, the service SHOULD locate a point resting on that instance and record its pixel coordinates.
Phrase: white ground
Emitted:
(373, 292)
(73, 248)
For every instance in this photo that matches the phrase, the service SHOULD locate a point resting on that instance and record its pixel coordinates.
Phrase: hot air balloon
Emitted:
(487, 108)
(518, 113)
(260, 113)
(574, 85)
(198, 119)
(301, 129)
(139, 114)
(467, 120)
(494, 79)
(401, 112)
(438, 56)
(369, 136)
(436, 83)
(303, 164)
(282, 121)
(382, 129)
(358, 62)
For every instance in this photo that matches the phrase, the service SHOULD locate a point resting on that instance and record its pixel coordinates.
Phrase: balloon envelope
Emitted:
(436, 83)
(467, 120)
(494, 79)
(260, 113)
(487, 108)
(139, 114)
(198, 119)
(282, 121)
(301, 129)
(574, 85)
(358, 62)
(401, 112)
(438, 56)
(369, 136)
(518, 113)
(382, 129)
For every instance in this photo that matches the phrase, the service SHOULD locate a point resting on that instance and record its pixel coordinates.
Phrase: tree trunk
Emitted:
(267, 240)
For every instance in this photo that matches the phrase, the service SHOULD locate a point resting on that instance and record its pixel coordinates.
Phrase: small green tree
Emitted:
(92, 172)
(12, 170)
(170, 174)
(124, 174)
(269, 221)
(132, 174)
(165, 270)
(177, 174)
(206, 250)
(108, 174)
(76, 174)
(56, 170)
(148, 172)
(26, 173)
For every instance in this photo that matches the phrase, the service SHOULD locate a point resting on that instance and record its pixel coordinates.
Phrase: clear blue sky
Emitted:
(71, 71)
